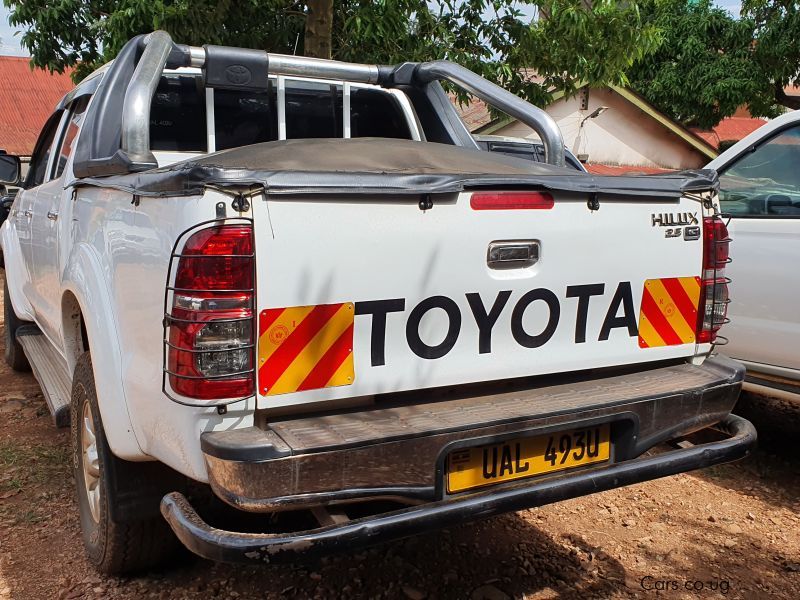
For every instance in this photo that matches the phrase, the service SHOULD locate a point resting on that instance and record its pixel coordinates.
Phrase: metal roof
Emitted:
(27, 99)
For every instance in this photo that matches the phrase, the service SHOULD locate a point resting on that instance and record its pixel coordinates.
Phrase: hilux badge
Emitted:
(674, 219)
(675, 222)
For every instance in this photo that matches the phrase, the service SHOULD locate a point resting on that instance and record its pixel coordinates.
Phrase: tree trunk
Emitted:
(319, 24)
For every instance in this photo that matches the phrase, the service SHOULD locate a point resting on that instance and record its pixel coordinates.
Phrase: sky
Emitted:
(9, 43)
(10, 46)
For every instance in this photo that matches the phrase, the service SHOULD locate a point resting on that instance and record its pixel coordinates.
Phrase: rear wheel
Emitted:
(14, 355)
(118, 500)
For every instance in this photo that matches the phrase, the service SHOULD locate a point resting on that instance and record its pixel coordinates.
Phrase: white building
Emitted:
(610, 126)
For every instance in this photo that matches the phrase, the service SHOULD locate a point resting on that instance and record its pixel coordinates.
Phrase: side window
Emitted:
(376, 114)
(41, 153)
(76, 113)
(178, 115)
(765, 182)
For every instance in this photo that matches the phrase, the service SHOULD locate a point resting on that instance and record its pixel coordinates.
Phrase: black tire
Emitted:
(14, 355)
(128, 533)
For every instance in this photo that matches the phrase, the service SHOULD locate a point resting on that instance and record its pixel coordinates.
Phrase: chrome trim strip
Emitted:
(774, 370)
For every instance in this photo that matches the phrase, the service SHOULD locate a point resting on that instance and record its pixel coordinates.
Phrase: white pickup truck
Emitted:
(301, 283)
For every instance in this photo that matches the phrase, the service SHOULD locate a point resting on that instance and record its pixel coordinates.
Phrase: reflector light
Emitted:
(713, 309)
(511, 201)
(211, 323)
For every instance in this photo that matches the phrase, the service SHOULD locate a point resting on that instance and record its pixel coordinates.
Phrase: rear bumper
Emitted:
(217, 544)
(398, 450)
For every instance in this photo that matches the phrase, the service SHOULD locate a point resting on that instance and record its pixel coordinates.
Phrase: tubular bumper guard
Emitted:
(639, 421)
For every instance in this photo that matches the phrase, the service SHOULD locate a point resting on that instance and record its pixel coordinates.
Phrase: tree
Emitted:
(703, 70)
(710, 63)
(776, 53)
(495, 38)
(319, 28)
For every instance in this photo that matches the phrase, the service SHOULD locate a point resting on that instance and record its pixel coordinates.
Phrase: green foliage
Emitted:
(87, 33)
(492, 37)
(709, 63)
(776, 53)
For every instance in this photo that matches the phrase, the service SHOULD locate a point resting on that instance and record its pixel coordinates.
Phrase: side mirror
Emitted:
(10, 169)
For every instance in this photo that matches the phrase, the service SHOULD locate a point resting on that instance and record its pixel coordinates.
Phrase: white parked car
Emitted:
(760, 192)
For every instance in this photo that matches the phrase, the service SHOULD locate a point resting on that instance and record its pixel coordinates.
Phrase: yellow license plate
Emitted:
(470, 468)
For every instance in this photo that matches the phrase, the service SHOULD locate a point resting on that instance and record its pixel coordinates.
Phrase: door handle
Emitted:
(28, 213)
(52, 215)
(512, 254)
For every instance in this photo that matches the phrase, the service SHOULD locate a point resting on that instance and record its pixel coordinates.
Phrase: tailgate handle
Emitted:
(516, 254)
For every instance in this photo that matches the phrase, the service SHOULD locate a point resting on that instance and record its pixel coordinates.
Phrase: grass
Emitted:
(29, 467)
(32, 464)
(15, 483)
(27, 517)
(14, 455)
(10, 454)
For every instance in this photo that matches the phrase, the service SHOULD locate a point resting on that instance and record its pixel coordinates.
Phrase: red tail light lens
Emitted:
(211, 322)
(716, 244)
(713, 309)
(511, 201)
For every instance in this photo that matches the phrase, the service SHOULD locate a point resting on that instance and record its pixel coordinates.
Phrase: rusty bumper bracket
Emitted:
(220, 545)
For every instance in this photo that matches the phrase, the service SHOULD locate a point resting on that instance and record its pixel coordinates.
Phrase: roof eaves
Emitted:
(682, 132)
(685, 134)
(494, 125)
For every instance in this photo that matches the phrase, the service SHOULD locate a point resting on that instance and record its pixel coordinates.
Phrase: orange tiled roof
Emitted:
(475, 114)
(27, 99)
(598, 169)
(730, 129)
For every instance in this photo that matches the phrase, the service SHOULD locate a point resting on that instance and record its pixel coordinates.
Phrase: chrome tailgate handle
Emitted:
(516, 254)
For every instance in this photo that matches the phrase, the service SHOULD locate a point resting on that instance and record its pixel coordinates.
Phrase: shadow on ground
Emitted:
(772, 473)
(504, 555)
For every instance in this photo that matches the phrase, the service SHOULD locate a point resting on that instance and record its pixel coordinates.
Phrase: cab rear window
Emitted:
(309, 109)
(178, 115)
(242, 118)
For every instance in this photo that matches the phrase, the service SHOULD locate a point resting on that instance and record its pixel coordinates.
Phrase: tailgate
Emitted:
(360, 295)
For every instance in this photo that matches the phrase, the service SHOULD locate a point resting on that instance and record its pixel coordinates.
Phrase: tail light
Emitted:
(210, 342)
(713, 309)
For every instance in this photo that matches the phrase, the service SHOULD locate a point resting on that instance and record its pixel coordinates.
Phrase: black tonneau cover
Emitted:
(386, 166)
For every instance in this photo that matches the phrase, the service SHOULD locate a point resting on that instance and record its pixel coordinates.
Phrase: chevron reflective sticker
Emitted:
(668, 315)
(305, 348)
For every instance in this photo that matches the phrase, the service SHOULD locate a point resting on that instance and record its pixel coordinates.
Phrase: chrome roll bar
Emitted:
(138, 96)
(240, 68)
(535, 118)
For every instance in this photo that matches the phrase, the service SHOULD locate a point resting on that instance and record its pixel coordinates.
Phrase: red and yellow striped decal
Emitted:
(668, 315)
(305, 348)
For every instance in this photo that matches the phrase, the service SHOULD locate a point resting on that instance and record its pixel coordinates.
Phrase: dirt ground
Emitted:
(727, 532)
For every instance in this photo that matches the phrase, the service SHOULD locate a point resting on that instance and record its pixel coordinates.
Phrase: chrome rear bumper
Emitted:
(398, 451)
(216, 544)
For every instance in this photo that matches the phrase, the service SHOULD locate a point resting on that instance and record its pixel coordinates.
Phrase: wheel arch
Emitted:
(89, 322)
